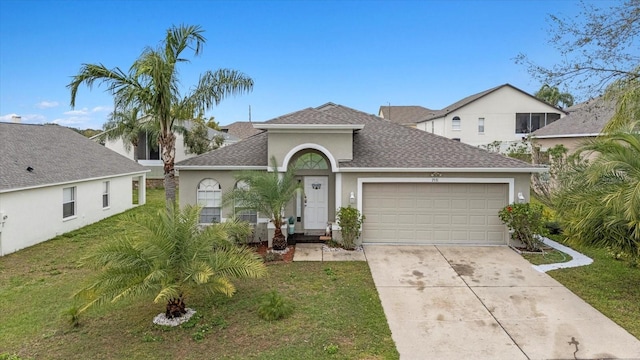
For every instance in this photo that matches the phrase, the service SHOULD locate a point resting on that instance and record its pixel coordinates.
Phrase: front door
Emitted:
(316, 209)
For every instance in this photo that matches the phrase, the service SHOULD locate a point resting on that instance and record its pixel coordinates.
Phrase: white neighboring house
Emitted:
(503, 113)
(54, 180)
(149, 155)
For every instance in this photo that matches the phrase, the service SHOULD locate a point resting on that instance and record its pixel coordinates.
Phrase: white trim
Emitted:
(221, 167)
(437, 180)
(141, 173)
(564, 136)
(309, 126)
(151, 162)
(447, 170)
(338, 191)
(294, 150)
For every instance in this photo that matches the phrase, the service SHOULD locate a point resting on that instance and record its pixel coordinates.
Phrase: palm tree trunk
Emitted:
(168, 144)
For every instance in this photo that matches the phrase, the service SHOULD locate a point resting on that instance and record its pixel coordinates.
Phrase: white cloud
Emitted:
(83, 111)
(28, 118)
(72, 121)
(7, 117)
(101, 108)
(47, 104)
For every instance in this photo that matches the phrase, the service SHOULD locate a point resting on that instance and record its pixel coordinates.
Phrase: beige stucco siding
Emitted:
(338, 144)
(498, 109)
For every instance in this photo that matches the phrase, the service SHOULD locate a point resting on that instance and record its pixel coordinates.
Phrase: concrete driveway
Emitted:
(452, 302)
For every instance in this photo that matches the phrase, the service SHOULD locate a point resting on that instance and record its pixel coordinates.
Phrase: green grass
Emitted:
(335, 316)
(611, 286)
(547, 257)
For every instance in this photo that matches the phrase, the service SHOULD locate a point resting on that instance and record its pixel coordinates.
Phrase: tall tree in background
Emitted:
(553, 96)
(599, 51)
(124, 124)
(197, 139)
(152, 84)
(597, 47)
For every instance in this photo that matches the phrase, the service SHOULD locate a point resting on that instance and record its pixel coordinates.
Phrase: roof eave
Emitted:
(447, 170)
(73, 181)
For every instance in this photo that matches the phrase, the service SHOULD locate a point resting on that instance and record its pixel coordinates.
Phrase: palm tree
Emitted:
(600, 201)
(268, 192)
(124, 124)
(553, 96)
(152, 85)
(169, 257)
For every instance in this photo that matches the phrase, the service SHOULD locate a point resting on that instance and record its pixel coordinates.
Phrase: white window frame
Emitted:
(481, 125)
(71, 200)
(209, 198)
(454, 126)
(242, 213)
(106, 194)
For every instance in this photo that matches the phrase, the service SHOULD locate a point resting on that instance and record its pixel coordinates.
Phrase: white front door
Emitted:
(316, 209)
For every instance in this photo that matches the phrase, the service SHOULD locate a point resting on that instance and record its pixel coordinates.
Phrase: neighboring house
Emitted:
(149, 153)
(584, 121)
(54, 180)
(503, 113)
(240, 129)
(412, 186)
(404, 115)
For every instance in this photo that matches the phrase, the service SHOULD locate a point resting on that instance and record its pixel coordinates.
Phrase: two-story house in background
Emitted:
(503, 113)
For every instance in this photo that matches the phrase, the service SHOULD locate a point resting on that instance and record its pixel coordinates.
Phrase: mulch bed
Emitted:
(263, 247)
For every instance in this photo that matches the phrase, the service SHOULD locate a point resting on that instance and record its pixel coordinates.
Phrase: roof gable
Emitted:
(56, 155)
(404, 115)
(475, 97)
(241, 129)
(380, 144)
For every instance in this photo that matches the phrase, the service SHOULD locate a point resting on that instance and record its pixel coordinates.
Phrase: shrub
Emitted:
(350, 221)
(525, 221)
(272, 256)
(274, 307)
(553, 227)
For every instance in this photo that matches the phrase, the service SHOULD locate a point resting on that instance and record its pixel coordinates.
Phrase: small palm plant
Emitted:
(170, 257)
(268, 192)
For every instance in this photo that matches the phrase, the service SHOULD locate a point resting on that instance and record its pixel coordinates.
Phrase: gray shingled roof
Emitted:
(469, 99)
(380, 144)
(588, 117)
(241, 129)
(405, 115)
(56, 154)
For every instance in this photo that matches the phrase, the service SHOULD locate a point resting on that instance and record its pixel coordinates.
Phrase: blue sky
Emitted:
(361, 54)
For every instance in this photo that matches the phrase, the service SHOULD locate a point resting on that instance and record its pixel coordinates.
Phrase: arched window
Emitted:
(210, 199)
(241, 212)
(455, 123)
(311, 161)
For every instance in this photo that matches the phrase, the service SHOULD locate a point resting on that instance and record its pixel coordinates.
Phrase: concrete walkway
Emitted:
(314, 252)
(577, 259)
(446, 302)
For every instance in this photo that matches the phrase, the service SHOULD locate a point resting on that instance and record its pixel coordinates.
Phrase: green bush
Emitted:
(553, 227)
(525, 221)
(274, 307)
(350, 221)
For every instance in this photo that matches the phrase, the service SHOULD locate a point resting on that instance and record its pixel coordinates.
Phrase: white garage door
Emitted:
(428, 213)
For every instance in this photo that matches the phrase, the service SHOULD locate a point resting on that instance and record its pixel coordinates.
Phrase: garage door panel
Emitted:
(434, 213)
(459, 220)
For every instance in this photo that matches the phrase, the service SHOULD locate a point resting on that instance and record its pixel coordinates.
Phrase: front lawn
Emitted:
(609, 285)
(337, 312)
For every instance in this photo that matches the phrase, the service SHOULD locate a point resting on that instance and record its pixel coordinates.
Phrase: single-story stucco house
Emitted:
(54, 180)
(412, 186)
